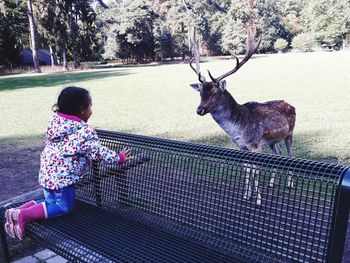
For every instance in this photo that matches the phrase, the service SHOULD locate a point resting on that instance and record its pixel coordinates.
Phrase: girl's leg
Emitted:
(9, 225)
(10, 217)
(59, 202)
(15, 224)
(24, 216)
(56, 203)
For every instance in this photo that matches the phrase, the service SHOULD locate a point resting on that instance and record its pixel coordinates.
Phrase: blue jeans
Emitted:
(59, 202)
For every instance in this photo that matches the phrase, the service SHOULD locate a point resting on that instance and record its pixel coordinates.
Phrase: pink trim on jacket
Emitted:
(69, 117)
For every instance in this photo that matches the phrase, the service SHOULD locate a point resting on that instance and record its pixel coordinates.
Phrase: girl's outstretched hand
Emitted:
(125, 155)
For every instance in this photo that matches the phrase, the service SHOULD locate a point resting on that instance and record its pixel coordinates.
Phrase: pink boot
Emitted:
(9, 227)
(28, 204)
(22, 217)
(9, 224)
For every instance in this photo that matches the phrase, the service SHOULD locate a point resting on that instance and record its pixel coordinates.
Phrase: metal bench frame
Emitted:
(183, 202)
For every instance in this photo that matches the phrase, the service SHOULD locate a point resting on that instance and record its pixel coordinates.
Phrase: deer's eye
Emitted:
(215, 93)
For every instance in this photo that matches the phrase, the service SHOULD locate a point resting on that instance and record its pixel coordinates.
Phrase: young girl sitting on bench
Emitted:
(70, 144)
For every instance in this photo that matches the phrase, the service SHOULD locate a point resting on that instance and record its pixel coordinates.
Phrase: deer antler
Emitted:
(201, 78)
(197, 59)
(251, 47)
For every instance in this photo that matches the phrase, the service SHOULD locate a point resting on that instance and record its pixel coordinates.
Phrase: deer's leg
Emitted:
(247, 188)
(289, 142)
(256, 173)
(251, 171)
(276, 150)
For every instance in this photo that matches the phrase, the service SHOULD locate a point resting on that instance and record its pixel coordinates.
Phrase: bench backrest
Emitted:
(196, 191)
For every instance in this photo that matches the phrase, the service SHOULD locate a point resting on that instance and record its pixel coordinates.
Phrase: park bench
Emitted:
(183, 202)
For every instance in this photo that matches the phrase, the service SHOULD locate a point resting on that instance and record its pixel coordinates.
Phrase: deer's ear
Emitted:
(196, 86)
(222, 84)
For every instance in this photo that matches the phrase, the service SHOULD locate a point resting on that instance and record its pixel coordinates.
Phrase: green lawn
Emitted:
(157, 100)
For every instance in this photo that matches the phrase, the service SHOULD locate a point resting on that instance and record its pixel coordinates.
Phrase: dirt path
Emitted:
(19, 166)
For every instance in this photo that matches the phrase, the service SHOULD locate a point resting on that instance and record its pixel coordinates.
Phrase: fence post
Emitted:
(340, 221)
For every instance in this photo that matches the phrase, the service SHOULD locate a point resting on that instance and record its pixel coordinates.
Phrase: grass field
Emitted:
(157, 100)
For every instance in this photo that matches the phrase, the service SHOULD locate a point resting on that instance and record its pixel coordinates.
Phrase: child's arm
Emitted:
(95, 151)
(92, 149)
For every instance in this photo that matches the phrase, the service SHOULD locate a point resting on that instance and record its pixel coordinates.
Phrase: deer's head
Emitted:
(211, 91)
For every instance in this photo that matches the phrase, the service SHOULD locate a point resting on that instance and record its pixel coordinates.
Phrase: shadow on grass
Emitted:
(47, 80)
(302, 147)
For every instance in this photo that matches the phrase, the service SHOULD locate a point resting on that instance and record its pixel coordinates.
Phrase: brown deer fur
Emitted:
(250, 125)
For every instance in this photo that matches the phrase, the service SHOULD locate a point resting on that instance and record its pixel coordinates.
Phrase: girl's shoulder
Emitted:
(88, 132)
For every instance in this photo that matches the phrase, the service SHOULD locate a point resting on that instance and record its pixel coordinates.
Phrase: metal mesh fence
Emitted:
(197, 192)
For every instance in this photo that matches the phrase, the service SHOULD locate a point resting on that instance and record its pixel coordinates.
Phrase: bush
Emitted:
(303, 42)
(280, 44)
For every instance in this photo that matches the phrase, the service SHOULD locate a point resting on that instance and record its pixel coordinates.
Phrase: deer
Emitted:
(251, 125)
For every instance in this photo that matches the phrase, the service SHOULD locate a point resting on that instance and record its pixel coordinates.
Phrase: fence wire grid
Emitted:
(193, 194)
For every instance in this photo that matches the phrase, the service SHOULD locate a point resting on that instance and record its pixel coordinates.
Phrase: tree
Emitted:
(280, 44)
(47, 24)
(241, 14)
(233, 41)
(69, 27)
(140, 30)
(164, 43)
(329, 21)
(177, 22)
(290, 13)
(132, 30)
(303, 42)
(271, 24)
(33, 42)
(202, 16)
(13, 26)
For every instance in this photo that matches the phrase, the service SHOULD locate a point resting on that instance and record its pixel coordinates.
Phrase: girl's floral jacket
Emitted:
(70, 144)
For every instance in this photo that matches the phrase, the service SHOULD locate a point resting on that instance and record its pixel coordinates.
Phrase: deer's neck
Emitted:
(229, 115)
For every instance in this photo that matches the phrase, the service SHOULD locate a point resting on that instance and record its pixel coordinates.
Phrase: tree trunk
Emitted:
(74, 34)
(64, 58)
(189, 40)
(52, 56)
(33, 36)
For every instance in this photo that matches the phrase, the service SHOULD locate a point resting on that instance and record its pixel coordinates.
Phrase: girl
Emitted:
(70, 144)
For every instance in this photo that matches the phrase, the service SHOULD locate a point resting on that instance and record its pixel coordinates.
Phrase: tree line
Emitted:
(138, 31)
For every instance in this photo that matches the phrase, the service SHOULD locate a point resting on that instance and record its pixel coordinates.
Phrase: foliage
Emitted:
(233, 33)
(233, 43)
(132, 31)
(303, 42)
(290, 13)
(271, 24)
(142, 31)
(164, 43)
(328, 20)
(13, 26)
(280, 44)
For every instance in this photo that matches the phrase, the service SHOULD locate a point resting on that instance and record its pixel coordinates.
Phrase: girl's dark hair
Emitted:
(71, 100)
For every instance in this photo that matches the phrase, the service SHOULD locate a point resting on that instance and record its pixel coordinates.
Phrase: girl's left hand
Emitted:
(126, 152)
